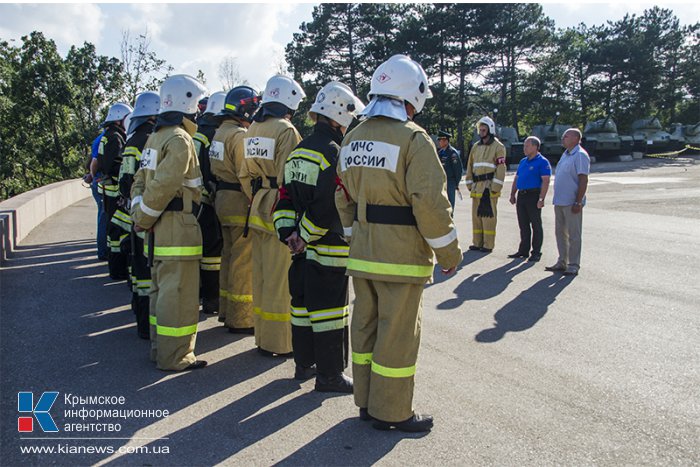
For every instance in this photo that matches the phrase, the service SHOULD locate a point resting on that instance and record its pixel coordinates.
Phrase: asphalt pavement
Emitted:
(518, 366)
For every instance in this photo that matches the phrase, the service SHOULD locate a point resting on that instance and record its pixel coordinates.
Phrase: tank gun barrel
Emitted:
(554, 123)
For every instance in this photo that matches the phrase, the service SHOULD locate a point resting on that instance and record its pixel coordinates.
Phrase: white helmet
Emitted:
(216, 103)
(401, 78)
(147, 104)
(181, 93)
(284, 90)
(117, 112)
(127, 122)
(337, 102)
(489, 123)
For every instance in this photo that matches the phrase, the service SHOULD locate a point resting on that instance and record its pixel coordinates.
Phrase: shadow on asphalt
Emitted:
(468, 257)
(485, 286)
(341, 446)
(525, 310)
(66, 326)
(242, 423)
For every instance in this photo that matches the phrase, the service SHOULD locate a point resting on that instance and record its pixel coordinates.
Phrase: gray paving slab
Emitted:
(518, 366)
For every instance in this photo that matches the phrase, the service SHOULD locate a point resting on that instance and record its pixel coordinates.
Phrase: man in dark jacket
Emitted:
(307, 221)
(451, 164)
(109, 158)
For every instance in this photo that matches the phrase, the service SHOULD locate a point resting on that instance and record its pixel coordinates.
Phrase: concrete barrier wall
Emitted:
(20, 214)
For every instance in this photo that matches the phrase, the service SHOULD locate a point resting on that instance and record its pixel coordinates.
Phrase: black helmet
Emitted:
(241, 102)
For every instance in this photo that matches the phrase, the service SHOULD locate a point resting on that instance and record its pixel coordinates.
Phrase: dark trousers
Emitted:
(117, 261)
(212, 244)
(319, 299)
(530, 222)
(141, 283)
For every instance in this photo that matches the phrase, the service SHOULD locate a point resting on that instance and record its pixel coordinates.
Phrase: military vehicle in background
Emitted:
(550, 139)
(649, 137)
(682, 135)
(601, 139)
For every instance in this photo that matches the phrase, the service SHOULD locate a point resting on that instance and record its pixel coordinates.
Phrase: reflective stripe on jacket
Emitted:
(486, 159)
(386, 162)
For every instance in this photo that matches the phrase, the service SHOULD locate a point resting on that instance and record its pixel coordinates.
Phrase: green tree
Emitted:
(43, 146)
(518, 33)
(96, 80)
(142, 70)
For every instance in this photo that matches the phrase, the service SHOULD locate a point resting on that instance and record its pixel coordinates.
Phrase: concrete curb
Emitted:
(20, 214)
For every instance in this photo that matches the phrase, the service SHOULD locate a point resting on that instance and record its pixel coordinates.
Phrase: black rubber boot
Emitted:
(416, 424)
(336, 383)
(303, 373)
(364, 415)
(210, 306)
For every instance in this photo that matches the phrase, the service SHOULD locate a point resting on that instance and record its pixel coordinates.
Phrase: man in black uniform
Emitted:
(109, 158)
(212, 240)
(141, 125)
(451, 164)
(307, 221)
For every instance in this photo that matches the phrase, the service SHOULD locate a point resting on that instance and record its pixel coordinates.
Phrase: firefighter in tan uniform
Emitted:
(393, 204)
(167, 189)
(233, 193)
(270, 139)
(486, 171)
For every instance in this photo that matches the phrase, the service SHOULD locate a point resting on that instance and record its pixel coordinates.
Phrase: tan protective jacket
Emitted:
(391, 163)
(486, 159)
(267, 145)
(226, 155)
(169, 169)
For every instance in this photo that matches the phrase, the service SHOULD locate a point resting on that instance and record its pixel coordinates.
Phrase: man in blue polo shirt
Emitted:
(93, 177)
(531, 184)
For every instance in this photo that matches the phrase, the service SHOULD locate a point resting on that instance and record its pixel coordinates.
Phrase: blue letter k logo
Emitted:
(25, 403)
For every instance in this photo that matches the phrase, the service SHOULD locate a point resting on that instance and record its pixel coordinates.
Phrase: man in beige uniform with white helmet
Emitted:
(486, 171)
(393, 205)
(167, 189)
(270, 139)
(233, 193)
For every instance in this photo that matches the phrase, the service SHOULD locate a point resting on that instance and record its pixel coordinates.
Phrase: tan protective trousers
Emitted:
(236, 279)
(385, 335)
(271, 300)
(174, 313)
(484, 228)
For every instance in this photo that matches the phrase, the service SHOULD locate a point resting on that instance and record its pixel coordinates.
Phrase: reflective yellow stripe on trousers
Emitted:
(282, 317)
(366, 359)
(176, 332)
(362, 358)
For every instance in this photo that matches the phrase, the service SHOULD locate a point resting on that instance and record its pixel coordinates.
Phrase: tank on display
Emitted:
(685, 135)
(550, 138)
(601, 139)
(649, 137)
